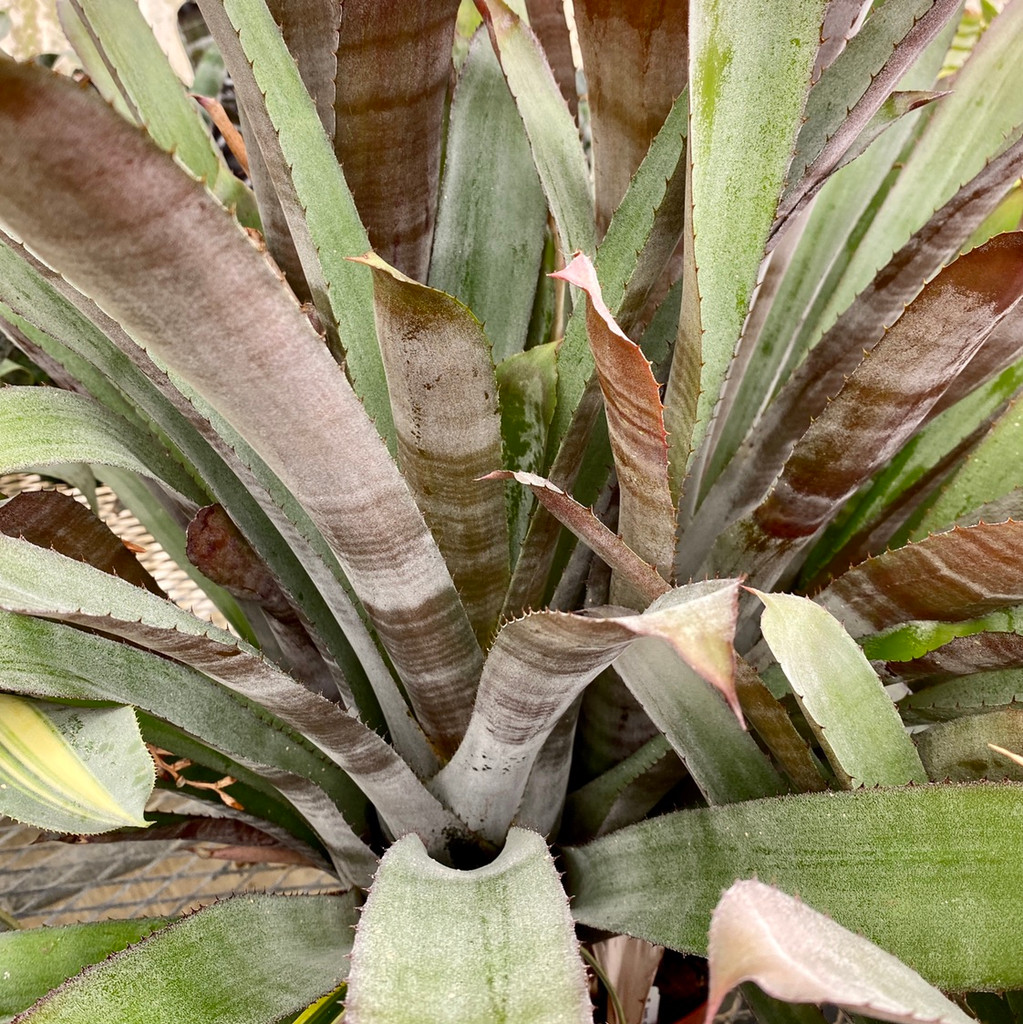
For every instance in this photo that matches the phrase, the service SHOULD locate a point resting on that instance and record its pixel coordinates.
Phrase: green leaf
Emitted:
(528, 387)
(512, 957)
(46, 426)
(961, 750)
(553, 137)
(36, 960)
(965, 695)
(444, 398)
(158, 100)
(81, 770)
(721, 756)
(735, 48)
(759, 933)
(983, 113)
(839, 693)
(879, 862)
(248, 960)
(492, 213)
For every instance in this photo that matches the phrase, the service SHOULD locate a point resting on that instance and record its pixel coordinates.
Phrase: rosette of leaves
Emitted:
(546, 487)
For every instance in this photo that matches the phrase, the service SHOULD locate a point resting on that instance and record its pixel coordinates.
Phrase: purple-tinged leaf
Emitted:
(635, 425)
(953, 576)
(887, 398)
(829, 133)
(821, 375)
(303, 421)
(389, 127)
(444, 398)
(50, 519)
(962, 656)
(758, 933)
(634, 56)
(641, 576)
(547, 20)
(310, 30)
(540, 664)
(841, 22)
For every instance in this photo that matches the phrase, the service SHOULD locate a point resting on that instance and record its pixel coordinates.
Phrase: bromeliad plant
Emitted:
(366, 397)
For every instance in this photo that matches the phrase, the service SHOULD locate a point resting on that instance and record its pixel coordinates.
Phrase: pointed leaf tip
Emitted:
(792, 952)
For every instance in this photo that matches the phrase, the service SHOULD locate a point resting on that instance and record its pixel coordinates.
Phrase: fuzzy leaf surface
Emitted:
(322, 220)
(961, 750)
(491, 215)
(303, 420)
(390, 128)
(758, 933)
(158, 100)
(444, 398)
(539, 665)
(39, 959)
(734, 49)
(840, 694)
(76, 770)
(514, 953)
(876, 861)
(275, 955)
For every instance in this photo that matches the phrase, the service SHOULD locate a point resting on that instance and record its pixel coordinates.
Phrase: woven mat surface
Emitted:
(49, 883)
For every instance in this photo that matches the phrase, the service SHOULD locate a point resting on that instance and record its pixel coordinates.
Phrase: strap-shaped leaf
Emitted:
(734, 49)
(898, 853)
(761, 934)
(965, 695)
(390, 127)
(840, 694)
(636, 428)
(321, 217)
(954, 147)
(274, 956)
(635, 62)
(490, 222)
(158, 100)
(980, 652)
(72, 769)
(45, 426)
(723, 759)
(822, 373)
(444, 398)
(528, 386)
(304, 420)
(854, 88)
(514, 953)
(889, 394)
(557, 149)
(518, 705)
(641, 577)
(38, 959)
(978, 568)
(45, 583)
(97, 352)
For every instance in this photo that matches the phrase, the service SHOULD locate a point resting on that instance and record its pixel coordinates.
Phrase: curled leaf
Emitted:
(758, 933)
